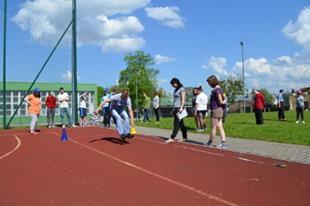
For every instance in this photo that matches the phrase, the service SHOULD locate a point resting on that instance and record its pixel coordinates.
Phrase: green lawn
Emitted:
(243, 126)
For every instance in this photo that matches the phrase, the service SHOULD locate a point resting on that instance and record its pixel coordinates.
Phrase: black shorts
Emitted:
(203, 112)
(83, 112)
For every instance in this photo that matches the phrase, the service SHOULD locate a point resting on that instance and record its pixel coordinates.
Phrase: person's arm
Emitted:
(220, 98)
(101, 105)
(27, 98)
(183, 95)
(132, 122)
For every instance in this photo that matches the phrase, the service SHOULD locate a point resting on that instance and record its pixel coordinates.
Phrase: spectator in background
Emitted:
(179, 96)
(106, 108)
(216, 102)
(83, 109)
(50, 103)
(194, 111)
(201, 109)
(34, 109)
(280, 100)
(63, 99)
(259, 104)
(146, 107)
(225, 107)
(300, 106)
(156, 106)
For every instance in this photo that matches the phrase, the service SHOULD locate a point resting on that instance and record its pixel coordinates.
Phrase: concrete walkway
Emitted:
(288, 152)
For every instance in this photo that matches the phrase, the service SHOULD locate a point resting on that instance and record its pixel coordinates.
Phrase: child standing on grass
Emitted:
(83, 110)
(300, 106)
(34, 109)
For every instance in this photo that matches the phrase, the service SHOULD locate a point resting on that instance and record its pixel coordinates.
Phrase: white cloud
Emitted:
(299, 30)
(162, 81)
(45, 20)
(169, 16)
(160, 59)
(125, 44)
(68, 76)
(217, 64)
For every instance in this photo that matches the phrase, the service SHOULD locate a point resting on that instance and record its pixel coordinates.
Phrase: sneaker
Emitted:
(303, 122)
(222, 146)
(123, 137)
(209, 143)
(73, 125)
(183, 140)
(53, 126)
(63, 126)
(170, 140)
(130, 136)
(49, 126)
(297, 122)
(33, 132)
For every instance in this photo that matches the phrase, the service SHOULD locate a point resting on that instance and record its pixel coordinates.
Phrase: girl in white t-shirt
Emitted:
(83, 110)
(201, 109)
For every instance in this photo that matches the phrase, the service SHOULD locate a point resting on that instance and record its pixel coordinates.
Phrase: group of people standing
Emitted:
(217, 107)
(62, 100)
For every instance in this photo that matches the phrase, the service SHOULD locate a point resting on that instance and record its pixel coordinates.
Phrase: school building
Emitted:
(17, 90)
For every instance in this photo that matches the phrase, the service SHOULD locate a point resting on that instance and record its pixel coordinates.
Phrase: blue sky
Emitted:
(190, 40)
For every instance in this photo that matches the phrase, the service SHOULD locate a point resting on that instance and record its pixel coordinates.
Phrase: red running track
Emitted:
(95, 168)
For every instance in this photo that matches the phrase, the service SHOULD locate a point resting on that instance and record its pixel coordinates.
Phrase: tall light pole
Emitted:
(243, 91)
(137, 100)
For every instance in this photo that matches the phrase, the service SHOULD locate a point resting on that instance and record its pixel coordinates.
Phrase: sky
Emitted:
(189, 40)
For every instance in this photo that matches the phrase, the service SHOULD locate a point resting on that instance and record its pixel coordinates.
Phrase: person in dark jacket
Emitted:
(259, 104)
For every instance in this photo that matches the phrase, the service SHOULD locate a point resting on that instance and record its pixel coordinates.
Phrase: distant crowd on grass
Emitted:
(116, 106)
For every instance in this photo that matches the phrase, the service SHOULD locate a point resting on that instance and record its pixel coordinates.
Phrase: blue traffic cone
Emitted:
(64, 136)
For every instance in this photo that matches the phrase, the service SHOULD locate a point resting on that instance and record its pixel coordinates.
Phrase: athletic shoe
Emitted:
(73, 125)
(130, 136)
(33, 132)
(123, 137)
(209, 143)
(183, 140)
(303, 122)
(53, 126)
(49, 126)
(170, 140)
(297, 122)
(222, 146)
(63, 126)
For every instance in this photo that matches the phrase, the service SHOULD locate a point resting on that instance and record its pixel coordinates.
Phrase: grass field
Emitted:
(243, 126)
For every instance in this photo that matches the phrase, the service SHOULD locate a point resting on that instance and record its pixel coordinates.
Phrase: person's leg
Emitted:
(279, 113)
(34, 119)
(297, 114)
(147, 115)
(48, 117)
(68, 113)
(157, 114)
(126, 122)
(256, 116)
(262, 116)
(221, 130)
(53, 116)
(62, 116)
(118, 120)
(144, 115)
(183, 129)
(302, 114)
(201, 121)
(214, 123)
(175, 124)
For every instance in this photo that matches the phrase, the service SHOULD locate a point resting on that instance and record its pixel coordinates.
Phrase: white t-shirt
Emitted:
(202, 102)
(82, 104)
(156, 102)
(63, 99)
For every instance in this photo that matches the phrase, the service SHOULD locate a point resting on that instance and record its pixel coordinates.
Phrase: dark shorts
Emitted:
(83, 112)
(203, 112)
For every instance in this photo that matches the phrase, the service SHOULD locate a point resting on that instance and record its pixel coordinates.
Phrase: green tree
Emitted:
(139, 72)
(232, 87)
(269, 98)
(99, 94)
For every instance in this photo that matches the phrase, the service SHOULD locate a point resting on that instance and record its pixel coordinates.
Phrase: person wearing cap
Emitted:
(34, 109)
(63, 99)
(50, 103)
(201, 109)
(106, 108)
(300, 106)
(259, 105)
(280, 99)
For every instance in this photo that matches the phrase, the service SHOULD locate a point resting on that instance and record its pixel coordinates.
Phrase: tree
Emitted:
(139, 73)
(269, 98)
(232, 87)
(99, 94)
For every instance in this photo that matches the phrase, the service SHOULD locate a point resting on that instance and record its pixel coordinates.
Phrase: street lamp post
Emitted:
(243, 91)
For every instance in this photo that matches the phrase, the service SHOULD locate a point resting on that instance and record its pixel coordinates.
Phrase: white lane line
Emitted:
(249, 160)
(12, 151)
(209, 196)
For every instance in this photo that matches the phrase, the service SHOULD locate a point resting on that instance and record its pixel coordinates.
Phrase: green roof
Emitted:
(46, 86)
